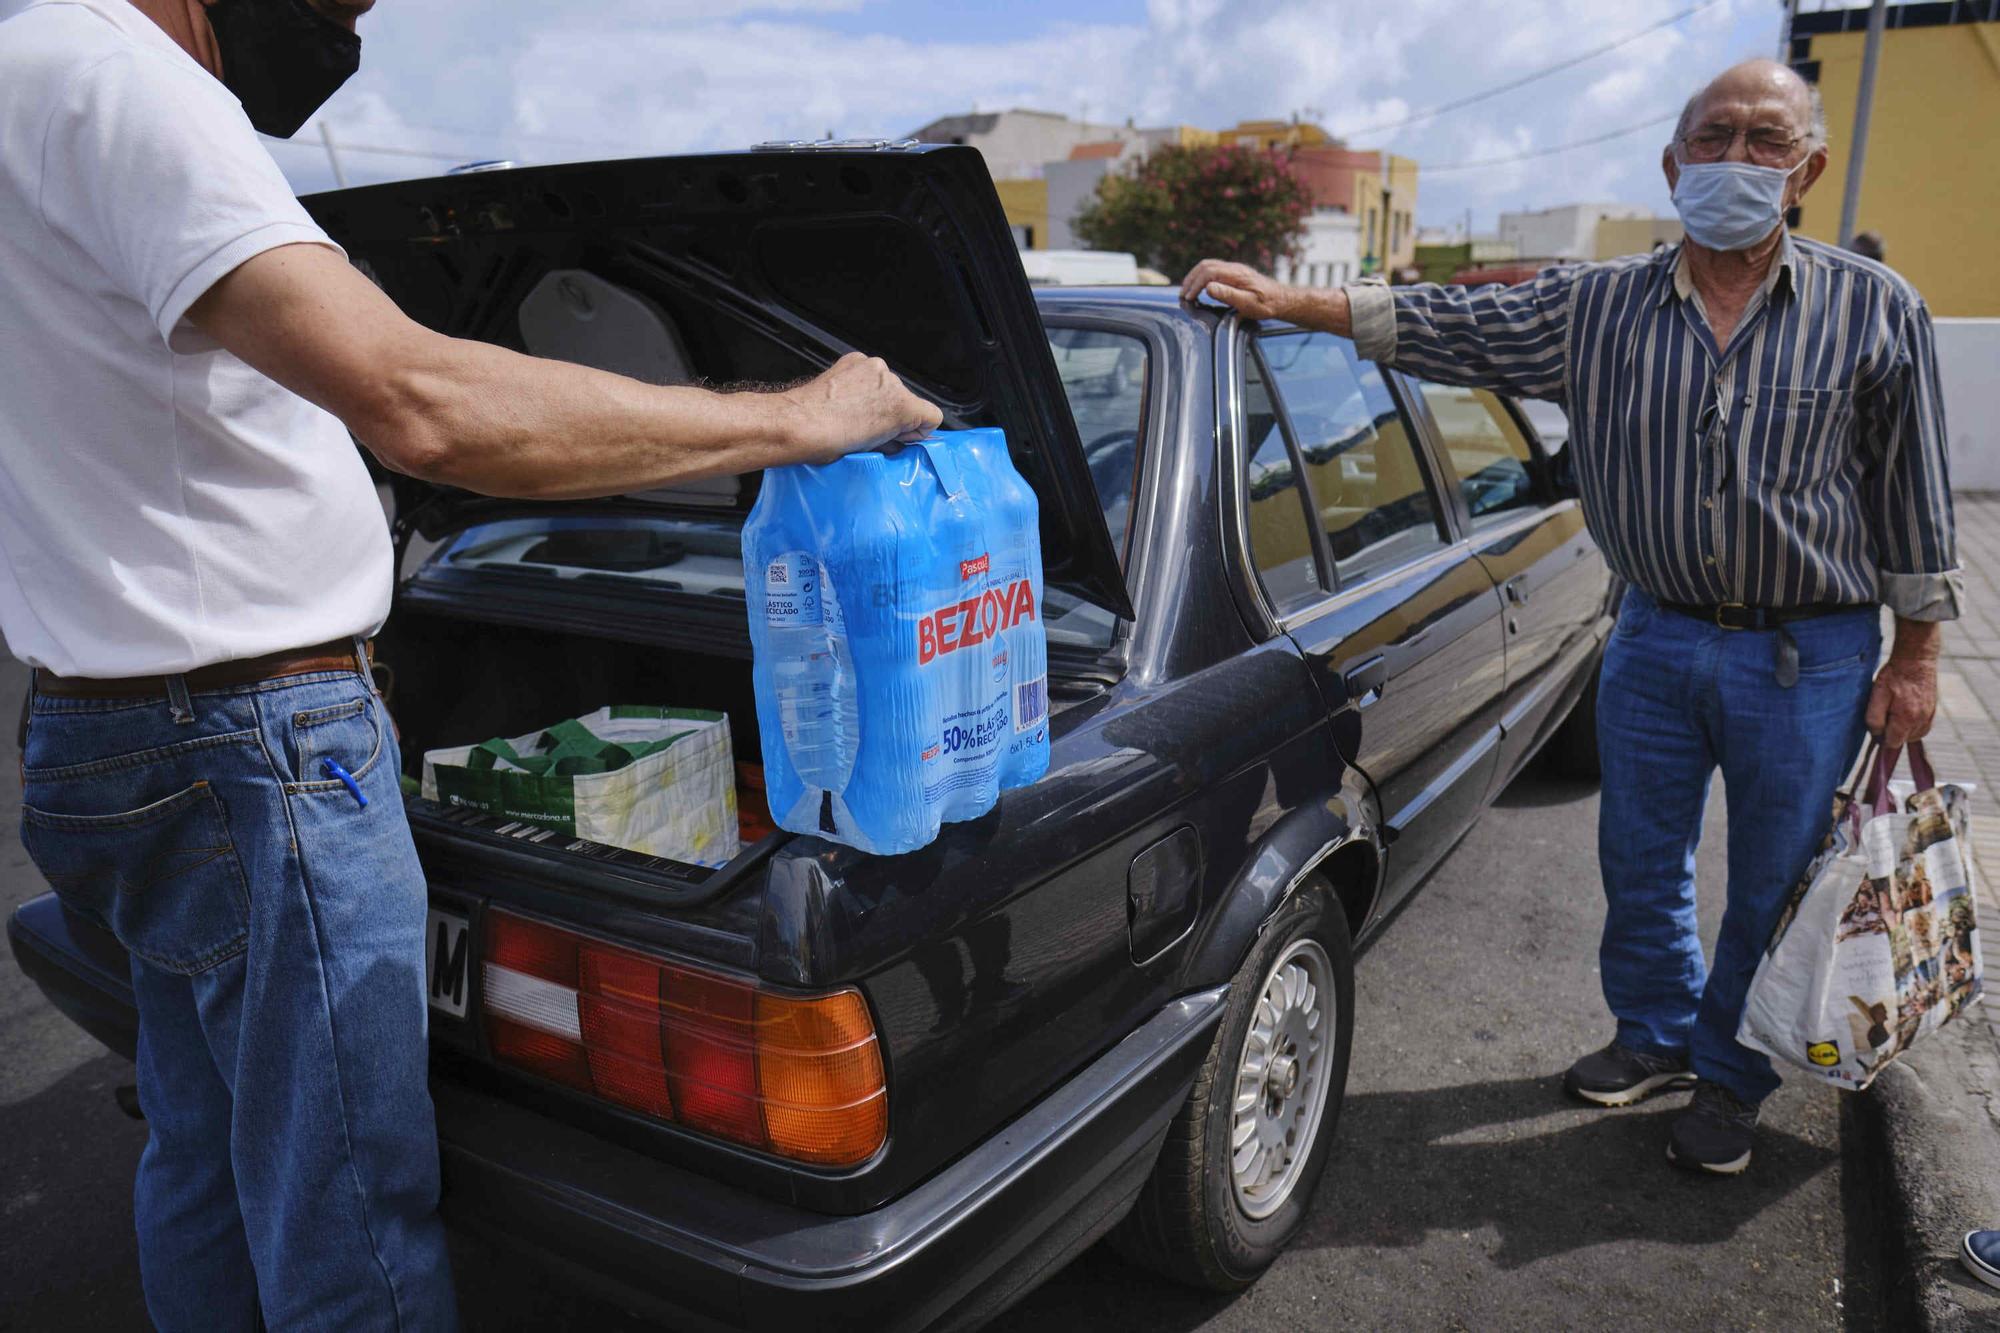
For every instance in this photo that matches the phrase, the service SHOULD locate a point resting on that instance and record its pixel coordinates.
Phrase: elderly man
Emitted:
(1755, 423)
(192, 555)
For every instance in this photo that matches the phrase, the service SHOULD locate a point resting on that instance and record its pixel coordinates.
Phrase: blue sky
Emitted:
(538, 80)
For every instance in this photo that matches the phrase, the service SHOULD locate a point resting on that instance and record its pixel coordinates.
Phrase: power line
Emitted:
(1554, 148)
(1526, 79)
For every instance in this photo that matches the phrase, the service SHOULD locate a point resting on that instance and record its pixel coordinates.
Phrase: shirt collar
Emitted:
(1783, 271)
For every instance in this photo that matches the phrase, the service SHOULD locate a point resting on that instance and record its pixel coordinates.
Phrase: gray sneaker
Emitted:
(1714, 1134)
(1620, 1076)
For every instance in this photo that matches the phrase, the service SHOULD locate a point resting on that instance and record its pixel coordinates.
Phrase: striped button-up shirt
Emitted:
(1804, 463)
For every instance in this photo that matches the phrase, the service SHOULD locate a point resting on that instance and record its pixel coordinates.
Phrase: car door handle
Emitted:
(1366, 681)
(1516, 589)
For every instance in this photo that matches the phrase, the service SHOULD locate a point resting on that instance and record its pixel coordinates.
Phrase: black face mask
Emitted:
(282, 59)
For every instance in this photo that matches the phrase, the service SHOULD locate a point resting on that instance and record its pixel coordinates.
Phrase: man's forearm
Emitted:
(491, 420)
(1322, 308)
(478, 416)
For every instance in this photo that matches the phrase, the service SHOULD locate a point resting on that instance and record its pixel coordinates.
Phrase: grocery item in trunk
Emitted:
(654, 780)
(901, 668)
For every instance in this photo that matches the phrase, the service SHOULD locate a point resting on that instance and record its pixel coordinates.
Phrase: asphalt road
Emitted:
(1464, 1192)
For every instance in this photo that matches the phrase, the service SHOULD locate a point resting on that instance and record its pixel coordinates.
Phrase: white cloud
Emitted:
(487, 77)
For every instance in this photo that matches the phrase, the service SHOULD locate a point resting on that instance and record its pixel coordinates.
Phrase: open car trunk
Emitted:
(760, 267)
(459, 678)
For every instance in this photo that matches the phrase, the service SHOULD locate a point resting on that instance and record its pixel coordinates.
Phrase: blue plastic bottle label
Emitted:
(792, 590)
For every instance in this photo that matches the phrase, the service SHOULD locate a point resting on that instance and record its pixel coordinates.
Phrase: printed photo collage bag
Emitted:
(1879, 946)
(655, 780)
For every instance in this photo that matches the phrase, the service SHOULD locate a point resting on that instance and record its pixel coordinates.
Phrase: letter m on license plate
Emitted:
(447, 963)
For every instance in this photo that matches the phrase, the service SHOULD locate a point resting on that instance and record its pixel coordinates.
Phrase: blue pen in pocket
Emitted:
(333, 770)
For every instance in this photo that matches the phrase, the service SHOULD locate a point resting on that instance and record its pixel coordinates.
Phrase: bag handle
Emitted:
(1920, 767)
(1860, 789)
(949, 475)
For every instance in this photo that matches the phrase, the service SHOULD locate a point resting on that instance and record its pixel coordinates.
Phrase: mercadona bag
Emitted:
(654, 780)
(1879, 946)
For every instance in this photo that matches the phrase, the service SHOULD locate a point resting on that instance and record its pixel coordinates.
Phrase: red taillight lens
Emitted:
(798, 1076)
(618, 1001)
(707, 1022)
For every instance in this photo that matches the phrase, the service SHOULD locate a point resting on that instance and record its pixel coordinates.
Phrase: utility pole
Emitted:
(1785, 32)
(1386, 202)
(1864, 102)
(332, 155)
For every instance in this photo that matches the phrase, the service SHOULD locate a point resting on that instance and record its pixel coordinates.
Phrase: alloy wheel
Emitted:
(1281, 1079)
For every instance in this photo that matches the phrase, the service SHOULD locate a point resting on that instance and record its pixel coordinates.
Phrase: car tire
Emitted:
(1195, 1221)
(1572, 747)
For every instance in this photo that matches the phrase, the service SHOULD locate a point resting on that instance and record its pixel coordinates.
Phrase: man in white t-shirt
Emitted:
(192, 556)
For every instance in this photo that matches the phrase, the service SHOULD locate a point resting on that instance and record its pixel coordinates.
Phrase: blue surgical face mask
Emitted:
(1730, 205)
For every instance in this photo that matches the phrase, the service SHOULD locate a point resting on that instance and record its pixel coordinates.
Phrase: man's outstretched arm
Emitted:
(1507, 338)
(490, 420)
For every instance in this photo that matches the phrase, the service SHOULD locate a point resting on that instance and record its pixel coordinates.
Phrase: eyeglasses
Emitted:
(1766, 147)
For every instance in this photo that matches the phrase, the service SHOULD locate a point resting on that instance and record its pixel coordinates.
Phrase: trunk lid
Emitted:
(772, 263)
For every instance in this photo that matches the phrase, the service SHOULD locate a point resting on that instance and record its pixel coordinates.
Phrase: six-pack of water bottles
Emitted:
(901, 668)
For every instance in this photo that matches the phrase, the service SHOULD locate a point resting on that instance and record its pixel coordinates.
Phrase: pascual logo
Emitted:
(974, 620)
(971, 568)
(1824, 1053)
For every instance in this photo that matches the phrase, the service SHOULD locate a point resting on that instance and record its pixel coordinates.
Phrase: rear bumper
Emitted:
(689, 1250)
(678, 1247)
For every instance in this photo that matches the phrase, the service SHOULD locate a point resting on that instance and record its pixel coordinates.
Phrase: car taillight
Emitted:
(799, 1076)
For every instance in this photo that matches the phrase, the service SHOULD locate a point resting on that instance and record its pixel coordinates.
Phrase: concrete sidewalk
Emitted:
(1930, 1125)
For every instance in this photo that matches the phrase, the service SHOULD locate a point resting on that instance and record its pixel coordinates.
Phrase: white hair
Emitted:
(1815, 125)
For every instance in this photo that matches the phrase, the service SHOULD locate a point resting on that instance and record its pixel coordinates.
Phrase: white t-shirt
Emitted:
(162, 505)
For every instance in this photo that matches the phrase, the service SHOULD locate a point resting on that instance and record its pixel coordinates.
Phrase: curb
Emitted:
(1928, 1132)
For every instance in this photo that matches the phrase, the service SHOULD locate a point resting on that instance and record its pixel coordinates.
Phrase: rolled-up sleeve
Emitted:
(1909, 493)
(1510, 339)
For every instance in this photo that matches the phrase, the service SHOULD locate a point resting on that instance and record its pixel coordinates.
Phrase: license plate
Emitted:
(449, 962)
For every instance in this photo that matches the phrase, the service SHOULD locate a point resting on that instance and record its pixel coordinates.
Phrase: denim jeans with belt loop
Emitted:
(1678, 699)
(275, 916)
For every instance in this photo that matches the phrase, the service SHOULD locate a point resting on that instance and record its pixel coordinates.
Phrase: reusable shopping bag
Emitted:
(654, 780)
(1879, 946)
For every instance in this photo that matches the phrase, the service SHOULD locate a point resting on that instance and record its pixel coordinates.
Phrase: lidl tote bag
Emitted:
(654, 780)
(1879, 946)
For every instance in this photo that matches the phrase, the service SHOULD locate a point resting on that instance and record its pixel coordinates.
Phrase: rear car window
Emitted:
(1104, 375)
(700, 557)
(1360, 457)
(1281, 543)
(1489, 453)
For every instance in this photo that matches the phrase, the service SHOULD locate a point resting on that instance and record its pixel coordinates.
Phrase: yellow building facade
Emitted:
(1401, 229)
(1931, 182)
(1026, 203)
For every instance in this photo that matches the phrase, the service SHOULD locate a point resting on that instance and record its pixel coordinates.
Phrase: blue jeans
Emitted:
(275, 924)
(1679, 698)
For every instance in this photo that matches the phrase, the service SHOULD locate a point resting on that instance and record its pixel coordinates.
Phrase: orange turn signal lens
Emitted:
(819, 1071)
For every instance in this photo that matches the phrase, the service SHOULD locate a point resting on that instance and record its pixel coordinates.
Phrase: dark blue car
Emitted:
(1306, 617)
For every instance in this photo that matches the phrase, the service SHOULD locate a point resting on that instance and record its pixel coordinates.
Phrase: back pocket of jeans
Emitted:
(165, 878)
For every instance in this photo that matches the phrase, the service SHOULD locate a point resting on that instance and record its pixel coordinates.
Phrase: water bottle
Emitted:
(812, 673)
(900, 669)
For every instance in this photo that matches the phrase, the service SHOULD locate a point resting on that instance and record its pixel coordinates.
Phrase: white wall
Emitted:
(1969, 365)
(1568, 231)
(1071, 183)
(1329, 253)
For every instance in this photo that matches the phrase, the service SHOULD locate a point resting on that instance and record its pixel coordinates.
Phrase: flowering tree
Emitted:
(1181, 205)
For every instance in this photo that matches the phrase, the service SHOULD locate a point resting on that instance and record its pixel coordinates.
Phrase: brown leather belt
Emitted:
(335, 656)
(1735, 615)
